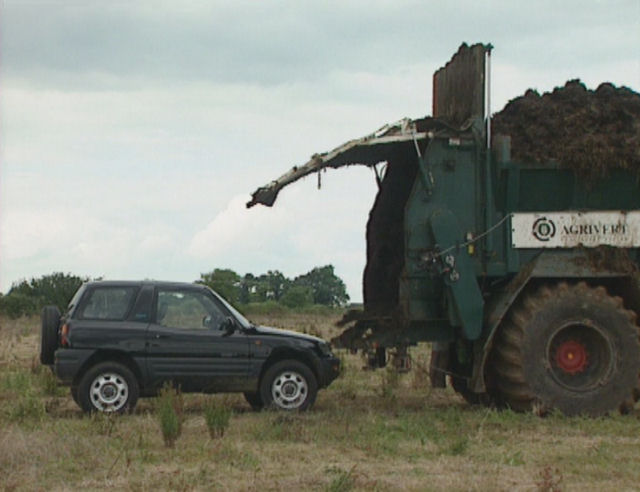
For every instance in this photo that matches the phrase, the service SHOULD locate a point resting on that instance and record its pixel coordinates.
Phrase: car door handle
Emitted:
(160, 335)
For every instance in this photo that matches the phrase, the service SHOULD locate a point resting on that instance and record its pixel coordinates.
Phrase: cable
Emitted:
(478, 237)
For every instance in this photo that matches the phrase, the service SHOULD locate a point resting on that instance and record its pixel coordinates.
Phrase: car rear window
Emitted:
(106, 303)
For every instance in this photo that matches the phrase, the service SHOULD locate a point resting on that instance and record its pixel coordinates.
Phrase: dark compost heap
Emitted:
(589, 131)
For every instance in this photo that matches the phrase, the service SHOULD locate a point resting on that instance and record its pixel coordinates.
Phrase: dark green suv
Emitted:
(119, 341)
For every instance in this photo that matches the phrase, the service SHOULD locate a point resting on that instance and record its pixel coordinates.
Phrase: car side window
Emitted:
(188, 310)
(107, 303)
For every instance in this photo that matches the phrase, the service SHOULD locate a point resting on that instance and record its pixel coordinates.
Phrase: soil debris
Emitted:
(385, 237)
(589, 131)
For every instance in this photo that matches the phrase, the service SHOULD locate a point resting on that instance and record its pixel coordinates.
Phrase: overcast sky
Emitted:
(132, 133)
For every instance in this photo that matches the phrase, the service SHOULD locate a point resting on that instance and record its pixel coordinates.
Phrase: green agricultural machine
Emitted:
(522, 275)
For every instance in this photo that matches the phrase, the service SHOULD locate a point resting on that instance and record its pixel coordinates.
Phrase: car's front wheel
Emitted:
(288, 385)
(108, 387)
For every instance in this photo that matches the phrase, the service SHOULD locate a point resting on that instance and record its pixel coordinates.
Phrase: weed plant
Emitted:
(217, 416)
(344, 480)
(22, 402)
(389, 382)
(170, 412)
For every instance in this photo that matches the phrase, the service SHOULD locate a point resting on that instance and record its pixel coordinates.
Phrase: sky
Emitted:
(132, 133)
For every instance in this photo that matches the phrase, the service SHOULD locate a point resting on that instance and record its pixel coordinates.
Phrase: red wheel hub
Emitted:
(571, 357)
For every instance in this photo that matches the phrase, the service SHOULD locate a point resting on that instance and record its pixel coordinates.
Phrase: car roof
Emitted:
(140, 283)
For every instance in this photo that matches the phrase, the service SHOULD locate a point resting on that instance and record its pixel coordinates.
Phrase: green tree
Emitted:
(15, 305)
(267, 287)
(29, 296)
(328, 289)
(225, 282)
(297, 296)
(273, 284)
(248, 288)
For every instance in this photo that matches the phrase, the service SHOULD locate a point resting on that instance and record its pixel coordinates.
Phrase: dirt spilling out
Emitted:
(589, 131)
(385, 237)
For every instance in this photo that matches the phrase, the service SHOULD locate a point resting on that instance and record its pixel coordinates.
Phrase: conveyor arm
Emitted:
(368, 150)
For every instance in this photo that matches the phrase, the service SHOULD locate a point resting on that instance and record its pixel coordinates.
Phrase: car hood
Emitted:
(265, 330)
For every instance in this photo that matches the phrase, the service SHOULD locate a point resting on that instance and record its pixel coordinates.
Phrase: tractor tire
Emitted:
(574, 348)
(50, 319)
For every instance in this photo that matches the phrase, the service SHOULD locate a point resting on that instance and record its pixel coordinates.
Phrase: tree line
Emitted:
(319, 286)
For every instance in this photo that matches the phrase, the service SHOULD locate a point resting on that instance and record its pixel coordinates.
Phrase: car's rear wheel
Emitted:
(108, 387)
(288, 385)
(50, 319)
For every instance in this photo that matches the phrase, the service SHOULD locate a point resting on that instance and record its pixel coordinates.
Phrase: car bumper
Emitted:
(67, 363)
(329, 370)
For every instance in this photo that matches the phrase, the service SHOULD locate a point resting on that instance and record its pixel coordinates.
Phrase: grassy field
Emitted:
(368, 431)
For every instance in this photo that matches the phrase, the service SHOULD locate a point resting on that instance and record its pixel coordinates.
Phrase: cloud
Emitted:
(273, 43)
(236, 227)
(131, 131)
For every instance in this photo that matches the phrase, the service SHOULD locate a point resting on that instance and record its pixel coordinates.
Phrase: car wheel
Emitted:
(254, 399)
(288, 385)
(50, 319)
(570, 347)
(108, 387)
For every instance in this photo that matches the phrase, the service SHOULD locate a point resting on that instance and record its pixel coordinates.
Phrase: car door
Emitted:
(188, 343)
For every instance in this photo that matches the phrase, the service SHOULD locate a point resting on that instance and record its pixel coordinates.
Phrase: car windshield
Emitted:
(243, 321)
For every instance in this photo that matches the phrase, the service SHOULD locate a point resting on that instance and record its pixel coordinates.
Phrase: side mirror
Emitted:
(228, 326)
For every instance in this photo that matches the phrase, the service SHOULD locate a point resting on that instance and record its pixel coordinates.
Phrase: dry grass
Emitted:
(368, 431)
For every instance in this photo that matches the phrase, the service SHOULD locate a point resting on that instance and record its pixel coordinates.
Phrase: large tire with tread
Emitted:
(574, 348)
(108, 387)
(288, 385)
(50, 321)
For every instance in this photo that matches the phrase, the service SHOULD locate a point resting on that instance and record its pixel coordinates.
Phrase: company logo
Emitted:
(543, 229)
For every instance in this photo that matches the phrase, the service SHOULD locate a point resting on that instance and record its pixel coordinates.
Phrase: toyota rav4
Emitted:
(119, 341)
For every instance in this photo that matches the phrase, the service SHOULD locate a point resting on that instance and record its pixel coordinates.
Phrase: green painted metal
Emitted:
(447, 211)
(447, 172)
(463, 297)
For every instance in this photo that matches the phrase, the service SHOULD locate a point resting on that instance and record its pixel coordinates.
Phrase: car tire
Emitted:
(570, 347)
(50, 321)
(288, 385)
(254, 400)
(108, 387)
